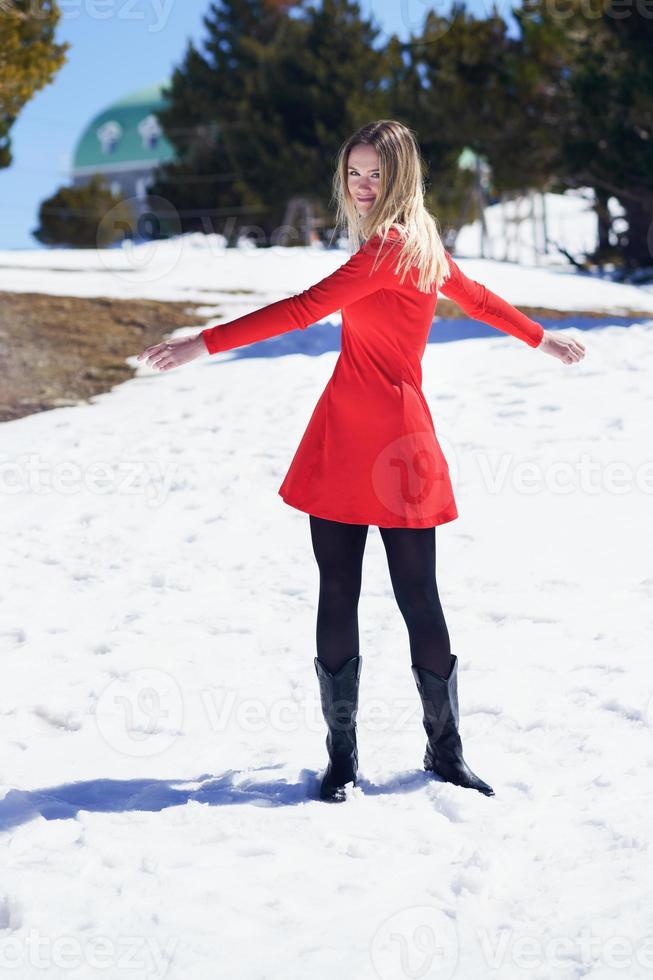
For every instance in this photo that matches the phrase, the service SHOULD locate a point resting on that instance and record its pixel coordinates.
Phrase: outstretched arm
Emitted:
(352, 281)
(482, 304)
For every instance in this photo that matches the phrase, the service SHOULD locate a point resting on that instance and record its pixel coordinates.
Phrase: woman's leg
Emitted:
(411, 562)
(338, 550)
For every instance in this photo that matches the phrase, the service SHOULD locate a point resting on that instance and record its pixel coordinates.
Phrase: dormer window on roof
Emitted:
(150, 131)
(123, 137)
(109, 135)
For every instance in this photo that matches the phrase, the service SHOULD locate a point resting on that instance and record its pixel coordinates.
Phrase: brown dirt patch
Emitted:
(56, 350)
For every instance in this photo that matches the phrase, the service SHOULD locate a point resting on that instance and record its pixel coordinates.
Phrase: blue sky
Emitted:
(118, 46)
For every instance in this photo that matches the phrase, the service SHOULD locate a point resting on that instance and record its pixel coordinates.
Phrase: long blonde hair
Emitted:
(400, 202)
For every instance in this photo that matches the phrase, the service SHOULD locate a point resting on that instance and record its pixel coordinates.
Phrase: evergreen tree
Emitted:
(207, 96)
(448, 92)
(321, 80)
(259, 116)
(601, 110)
(86, 216)
(568, 103)
(470, 87)
(29, 59)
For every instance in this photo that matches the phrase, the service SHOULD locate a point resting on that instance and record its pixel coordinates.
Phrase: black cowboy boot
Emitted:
(339, 697)
(444, 751)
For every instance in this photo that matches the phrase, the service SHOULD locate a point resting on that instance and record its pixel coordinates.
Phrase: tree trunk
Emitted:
(638, 240)
(603, 218)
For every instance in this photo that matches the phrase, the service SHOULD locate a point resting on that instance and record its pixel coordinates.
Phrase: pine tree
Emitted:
(29, 59)
(601, 115)
(86, 216)
(567, 103)
(207, 96)
(259, 115)
(448, 92)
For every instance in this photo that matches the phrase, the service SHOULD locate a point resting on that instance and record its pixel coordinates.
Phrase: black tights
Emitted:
(338, 550)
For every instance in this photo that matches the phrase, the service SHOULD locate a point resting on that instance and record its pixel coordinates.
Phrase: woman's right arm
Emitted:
(352, 281)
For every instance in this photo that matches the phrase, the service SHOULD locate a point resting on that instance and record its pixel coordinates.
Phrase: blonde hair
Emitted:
(400, 202)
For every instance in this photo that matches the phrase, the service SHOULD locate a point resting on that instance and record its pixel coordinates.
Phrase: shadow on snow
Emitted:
(231, 787)
(319, 338)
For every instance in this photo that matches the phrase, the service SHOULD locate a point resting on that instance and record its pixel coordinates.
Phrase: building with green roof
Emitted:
(124, 143)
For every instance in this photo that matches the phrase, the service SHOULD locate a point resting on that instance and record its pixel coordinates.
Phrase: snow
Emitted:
(160, 716)
(201, 269)
(515, 229)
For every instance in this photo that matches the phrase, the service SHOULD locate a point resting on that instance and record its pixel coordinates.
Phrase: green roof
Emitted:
(126, 132)
(142, 96)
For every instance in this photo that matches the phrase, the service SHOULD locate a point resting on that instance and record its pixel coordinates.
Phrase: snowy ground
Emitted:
(201, 269)
(159, 708)
(516, 230)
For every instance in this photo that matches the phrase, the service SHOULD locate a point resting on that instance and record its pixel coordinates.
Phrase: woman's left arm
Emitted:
(482, 304)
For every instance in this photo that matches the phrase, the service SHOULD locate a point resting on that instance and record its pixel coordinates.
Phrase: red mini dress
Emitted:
(369, 454)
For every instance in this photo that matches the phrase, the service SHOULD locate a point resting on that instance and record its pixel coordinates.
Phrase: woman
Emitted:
(369, 454)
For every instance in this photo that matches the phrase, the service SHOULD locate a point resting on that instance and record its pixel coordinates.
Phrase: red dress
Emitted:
(369, 454)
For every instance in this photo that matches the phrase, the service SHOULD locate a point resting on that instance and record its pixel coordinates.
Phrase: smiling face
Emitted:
(363, 176)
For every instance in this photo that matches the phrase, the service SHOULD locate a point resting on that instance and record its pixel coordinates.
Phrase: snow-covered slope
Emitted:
(516, 230)
(159, 712)
(200, 268)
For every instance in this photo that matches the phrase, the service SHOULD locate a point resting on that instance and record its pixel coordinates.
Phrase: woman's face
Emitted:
(363, 176)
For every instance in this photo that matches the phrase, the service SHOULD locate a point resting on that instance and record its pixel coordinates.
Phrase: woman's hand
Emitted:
(173, 353)
(565, 349)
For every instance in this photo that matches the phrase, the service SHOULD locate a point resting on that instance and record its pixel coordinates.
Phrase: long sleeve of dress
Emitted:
(482, 304)
(352, 281)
